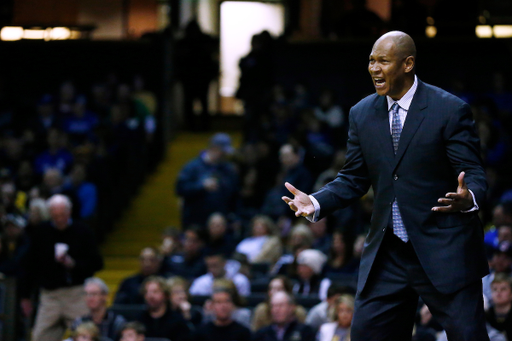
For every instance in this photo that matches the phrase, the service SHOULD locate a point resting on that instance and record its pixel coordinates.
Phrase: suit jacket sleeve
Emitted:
(463, 151)
(352, 182)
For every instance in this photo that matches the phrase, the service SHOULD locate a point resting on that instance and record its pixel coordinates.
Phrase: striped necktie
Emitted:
(396, 129)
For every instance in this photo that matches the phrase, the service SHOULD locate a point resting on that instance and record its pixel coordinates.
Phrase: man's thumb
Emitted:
(462, 183)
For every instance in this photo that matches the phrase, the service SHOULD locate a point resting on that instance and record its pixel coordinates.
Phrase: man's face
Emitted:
(155, 296)
(505, 233)
(222, 306)
(281, 309)
(276, 285)
(149, 262)
(217, 227)
(387, 68)
(304, 272)
(95, 298)
(215, 266)
(288, 157)
(501, 293)
(60, 216)
(192, 244)
(501, 262)
(131, 335)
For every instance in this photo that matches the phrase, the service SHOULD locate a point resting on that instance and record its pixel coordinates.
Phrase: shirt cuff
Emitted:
(314, 218)
(472, 209)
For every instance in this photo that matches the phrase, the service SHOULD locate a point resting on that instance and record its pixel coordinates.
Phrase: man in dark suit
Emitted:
(414, 143)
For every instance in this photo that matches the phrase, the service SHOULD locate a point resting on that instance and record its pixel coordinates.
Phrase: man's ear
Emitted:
(409, 64)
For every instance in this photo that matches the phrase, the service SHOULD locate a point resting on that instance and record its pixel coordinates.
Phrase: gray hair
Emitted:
(59, 199)
(99, 282)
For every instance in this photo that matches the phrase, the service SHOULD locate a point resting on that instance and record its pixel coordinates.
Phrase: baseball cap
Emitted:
(223, 141)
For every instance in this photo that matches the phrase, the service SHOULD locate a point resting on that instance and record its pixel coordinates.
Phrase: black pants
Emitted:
(386, 308)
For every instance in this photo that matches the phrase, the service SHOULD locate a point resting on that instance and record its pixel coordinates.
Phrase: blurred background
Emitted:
(172, 125)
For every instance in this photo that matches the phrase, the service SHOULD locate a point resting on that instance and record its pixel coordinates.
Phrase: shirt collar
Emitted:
(405, 101)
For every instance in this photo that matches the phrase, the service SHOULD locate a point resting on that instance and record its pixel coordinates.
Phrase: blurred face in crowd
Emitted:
(338, 244)
(84, 336)
(215, 154)
(345, 314)
(149, 262)
(178, 295)
(281, 309)
(222, 306)
(501, 293)
(192, 243)
(215, 265)
(154, 296)
(319, 228)
(95, 298)
(52, 178)
(389, 67)
(217, 227)
(305, 272)
(501, 262)
(131, 335)
(276, 285)
(505, 233)
(60, 215)
(259, 228)
(288, 157)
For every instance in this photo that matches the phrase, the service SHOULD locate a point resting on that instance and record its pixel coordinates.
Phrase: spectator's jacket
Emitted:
(129, 291)
(295, 331)
(44, 271)
(199, 203)
(110, 326)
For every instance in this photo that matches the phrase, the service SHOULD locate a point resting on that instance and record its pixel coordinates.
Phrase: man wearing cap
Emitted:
(208, 183)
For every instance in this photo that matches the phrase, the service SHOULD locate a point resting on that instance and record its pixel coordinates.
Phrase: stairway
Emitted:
(155, 207)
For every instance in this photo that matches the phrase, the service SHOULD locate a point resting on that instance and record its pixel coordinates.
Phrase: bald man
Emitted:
(416, 145)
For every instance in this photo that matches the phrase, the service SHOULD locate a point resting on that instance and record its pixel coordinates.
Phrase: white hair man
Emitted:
(63, 253)
(108, 322)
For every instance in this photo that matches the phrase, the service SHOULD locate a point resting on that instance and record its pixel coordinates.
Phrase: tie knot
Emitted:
(395, 107)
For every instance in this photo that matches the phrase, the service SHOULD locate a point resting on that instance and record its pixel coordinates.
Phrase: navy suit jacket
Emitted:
(437, 142)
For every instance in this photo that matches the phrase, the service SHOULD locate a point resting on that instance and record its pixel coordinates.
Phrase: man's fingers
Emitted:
(462, 183)
(445, 201)
(286, 199)
(292, 189)
(445, 209)
(452, 195)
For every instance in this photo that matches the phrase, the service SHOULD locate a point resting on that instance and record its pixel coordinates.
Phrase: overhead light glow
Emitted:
(34, 34)
(483, 31)
(431, 31)
(502, 31)
(11, 33)
(60, 33)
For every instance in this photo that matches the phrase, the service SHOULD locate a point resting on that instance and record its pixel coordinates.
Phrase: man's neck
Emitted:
(158, 311)
(502, 309)
(223, 323)
(98, 315)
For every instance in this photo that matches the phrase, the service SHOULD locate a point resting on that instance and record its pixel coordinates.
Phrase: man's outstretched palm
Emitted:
(300, 203)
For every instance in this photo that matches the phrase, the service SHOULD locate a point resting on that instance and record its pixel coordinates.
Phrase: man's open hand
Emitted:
(462, 200)
(300, 203)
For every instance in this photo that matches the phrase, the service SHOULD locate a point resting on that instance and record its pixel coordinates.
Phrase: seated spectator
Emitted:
(499, 315)
(330, 174)
(342, 317)
(501, 215)
(158, 318)
(14, 245)
(133, 331)
(320, 313)
(309, 267)
(180, 305)
(501, 262)
(56, 156)
(264, 246)
(129, 291)
(80, 123)
(219, 241)
(65, 255)
(426, 327)
(323, 239)
(85, 191)
(285, 326)
(223, 327)
(189, 263)
(108, 322)
(328, 112)
(340, 256)
(171, 243)
(301, 238)
(262, 315)
(37, 214)
(208, 183)
(86, 331)
(216, 265)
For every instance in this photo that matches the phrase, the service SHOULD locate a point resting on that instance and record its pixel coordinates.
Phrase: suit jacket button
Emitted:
(384, 229)
(395, 177)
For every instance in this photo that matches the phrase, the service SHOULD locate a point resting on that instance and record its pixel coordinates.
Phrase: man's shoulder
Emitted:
(367, 102)
(437, 95)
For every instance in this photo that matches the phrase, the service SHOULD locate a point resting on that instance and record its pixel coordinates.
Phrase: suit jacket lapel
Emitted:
(415, 116)
(382, 130)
